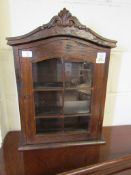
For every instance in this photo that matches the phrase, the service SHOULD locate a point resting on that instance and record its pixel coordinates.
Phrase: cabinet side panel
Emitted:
(19, 86)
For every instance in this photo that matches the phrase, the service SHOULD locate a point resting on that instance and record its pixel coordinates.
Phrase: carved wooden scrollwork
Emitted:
(64, 19)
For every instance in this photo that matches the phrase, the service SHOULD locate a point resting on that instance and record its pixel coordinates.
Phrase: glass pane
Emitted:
(48, 86)
(48, 103)
(48, 125)
(78, 75)
(78, 82)
(76, 123)
(47, 73)
(76, 102)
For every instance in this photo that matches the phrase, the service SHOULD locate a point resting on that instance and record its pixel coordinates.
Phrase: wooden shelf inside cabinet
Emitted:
(82, 90)
(73, 131)
(44, 89)
(62, 64)
(78, 115)
(63, 116)
(49, 116)
(77, 88)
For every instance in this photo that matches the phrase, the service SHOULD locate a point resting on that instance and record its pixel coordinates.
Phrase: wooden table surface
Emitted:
(53, 161)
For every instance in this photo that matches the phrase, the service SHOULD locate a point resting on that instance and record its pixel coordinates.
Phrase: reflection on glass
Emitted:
(78, 80)
(78, 75)
(76, 102)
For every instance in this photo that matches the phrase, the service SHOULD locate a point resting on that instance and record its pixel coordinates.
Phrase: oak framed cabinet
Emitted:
(61, 71)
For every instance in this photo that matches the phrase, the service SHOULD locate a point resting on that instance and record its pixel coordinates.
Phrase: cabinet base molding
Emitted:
(59, 145)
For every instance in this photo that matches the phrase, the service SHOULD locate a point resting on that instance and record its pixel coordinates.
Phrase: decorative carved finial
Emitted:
(65, 13)
(64, 19)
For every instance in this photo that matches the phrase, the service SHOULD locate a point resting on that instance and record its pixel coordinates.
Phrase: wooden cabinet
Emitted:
(61, 71)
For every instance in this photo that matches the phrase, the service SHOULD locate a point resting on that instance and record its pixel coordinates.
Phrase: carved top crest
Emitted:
(64, 18)
(62, 24)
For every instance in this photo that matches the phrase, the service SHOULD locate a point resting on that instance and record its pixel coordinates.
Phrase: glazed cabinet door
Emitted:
(62, 95)
(60, 98)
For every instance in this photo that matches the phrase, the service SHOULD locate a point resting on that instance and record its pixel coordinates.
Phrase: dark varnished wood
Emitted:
(66, 39)
(116, 166)
(117, 150)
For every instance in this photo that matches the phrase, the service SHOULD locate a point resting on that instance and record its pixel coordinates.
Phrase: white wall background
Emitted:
(110, 18)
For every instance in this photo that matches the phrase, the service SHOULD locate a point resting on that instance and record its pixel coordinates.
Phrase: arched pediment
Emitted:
(64, 24)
